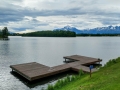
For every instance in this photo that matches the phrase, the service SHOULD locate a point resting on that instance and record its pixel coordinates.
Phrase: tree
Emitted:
(5, 32)
(0, 33)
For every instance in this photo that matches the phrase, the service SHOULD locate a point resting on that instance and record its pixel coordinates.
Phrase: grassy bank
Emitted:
(107, 78)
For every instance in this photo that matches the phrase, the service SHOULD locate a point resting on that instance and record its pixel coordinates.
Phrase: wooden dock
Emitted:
(33, 71)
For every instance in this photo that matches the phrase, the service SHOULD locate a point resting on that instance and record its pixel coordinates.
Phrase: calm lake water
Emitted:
(50, 51)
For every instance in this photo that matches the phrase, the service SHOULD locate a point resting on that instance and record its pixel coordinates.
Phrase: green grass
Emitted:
(107, 78)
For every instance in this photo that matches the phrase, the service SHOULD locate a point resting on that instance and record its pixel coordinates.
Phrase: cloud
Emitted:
(28, 15)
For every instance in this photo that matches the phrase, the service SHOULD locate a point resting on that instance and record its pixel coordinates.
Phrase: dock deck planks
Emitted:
(83, 59)
(33, 71)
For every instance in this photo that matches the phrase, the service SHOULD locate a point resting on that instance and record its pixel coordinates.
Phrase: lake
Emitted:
(50, 51)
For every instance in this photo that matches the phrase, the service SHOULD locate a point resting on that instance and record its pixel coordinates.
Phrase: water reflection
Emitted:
(4, 48)
(49, 52)
(47, 80)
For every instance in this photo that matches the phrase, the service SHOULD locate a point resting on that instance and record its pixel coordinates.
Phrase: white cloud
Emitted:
(33, 15)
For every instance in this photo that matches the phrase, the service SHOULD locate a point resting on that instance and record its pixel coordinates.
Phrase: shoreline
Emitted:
(4, 39)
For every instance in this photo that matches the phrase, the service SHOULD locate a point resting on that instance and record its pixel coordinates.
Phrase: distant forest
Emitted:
(85, 35)
(60, 33)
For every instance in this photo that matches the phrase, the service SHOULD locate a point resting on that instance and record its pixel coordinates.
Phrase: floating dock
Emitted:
(34, 71)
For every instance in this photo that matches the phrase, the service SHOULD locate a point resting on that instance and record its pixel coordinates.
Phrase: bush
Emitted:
(112, 62)
(61, 82)
(50, 87)
(81, 72)
(73, 77)
(65, 81)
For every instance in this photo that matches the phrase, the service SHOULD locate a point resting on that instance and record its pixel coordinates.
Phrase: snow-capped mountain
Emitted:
(69, 28)
(98, 30)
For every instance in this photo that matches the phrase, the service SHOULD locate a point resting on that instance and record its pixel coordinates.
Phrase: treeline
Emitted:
(50, 34)
(85, 35)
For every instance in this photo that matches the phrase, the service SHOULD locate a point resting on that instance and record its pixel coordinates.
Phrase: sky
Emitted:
(23, 16)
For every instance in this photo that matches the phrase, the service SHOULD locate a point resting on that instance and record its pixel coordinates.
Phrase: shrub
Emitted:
(50, 87)
(65, 80)
(81, 72)
(111, 62)
(73, 77)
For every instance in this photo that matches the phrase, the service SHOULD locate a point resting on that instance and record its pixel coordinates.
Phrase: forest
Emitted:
(85, 35)
(60, 33)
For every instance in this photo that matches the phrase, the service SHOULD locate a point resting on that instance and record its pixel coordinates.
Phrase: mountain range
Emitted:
(98, 30)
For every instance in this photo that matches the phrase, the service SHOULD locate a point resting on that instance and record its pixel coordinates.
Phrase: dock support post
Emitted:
(65, 59)
(90, 73)
(91, 67)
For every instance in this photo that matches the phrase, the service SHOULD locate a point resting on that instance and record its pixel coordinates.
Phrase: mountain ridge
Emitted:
(99, 30)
